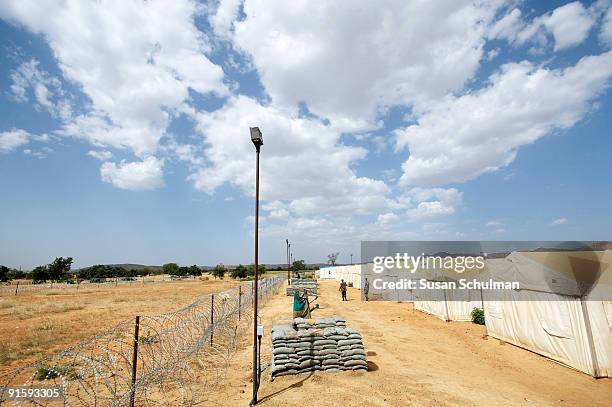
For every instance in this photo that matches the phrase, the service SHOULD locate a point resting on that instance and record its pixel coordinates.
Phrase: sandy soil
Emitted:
(36, 324)
(414, 359)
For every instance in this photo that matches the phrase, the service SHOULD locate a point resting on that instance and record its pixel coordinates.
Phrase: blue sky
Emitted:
(124, 126)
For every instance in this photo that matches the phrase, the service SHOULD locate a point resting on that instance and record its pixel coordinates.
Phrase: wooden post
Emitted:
(134, 361)
(17, 288)
(239, 300)
(212, 318)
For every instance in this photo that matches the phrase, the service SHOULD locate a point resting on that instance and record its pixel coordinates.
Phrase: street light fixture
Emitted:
(257, 140)
(256, 137)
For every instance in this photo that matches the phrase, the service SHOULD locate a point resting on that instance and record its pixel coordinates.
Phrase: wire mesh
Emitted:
(176, 362)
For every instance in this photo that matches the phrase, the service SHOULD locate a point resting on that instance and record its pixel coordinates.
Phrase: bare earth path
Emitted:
(415, 359)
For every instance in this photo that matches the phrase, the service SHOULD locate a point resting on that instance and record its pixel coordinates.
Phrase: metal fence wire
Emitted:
(181, 356)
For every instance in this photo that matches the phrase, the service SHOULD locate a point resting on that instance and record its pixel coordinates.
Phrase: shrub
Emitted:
(148, 339)
(478, 316)
(51, 372)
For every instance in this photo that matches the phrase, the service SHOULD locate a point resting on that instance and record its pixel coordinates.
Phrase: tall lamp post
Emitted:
(288, 262)
(257, 140)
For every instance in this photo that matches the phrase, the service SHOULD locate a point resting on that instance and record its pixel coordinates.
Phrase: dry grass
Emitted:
(34, 325)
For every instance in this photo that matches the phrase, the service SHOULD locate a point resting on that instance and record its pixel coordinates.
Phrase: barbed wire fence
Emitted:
(170, 359)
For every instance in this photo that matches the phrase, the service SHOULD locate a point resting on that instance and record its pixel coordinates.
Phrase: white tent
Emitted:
(350, 274)
(327, 273)
(554, 314)
(448, 304)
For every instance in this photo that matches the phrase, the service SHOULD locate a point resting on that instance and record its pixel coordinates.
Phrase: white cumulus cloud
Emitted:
(348, 60)
(462, 137)
(569, 24)
(102, 155)
(605, 35)
(12, 139)
(137, 74)
(139, 175)
(560, 221)
(303, 162)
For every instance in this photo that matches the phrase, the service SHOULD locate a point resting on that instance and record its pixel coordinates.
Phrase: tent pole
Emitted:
(589, 332)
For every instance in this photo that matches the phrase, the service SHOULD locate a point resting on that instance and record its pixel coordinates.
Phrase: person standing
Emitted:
(366, 289)
(343, 290)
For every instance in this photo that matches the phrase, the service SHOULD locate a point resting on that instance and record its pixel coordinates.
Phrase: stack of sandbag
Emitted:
(301, 284)
(320, 323)
(323, 344)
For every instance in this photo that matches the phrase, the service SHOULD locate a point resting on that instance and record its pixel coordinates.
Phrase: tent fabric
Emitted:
(559, 312)
(350, 274)
(548, 315)
(327, 273)
(449, 305)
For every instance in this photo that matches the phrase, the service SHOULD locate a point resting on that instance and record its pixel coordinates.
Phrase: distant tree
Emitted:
(298, 265)
(16, 274)
(183, 271)
(251, 268)
(195, 271)
(332, 257)
(4, 273)
(171, 268)
(59, 268)
(156, 271)
(40, 274)
(239, 272)
(219, 271)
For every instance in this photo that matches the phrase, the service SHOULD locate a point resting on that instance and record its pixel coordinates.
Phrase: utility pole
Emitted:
(288, 262)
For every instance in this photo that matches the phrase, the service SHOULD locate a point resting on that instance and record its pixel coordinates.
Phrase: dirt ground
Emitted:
(36, 324)
(414, 359)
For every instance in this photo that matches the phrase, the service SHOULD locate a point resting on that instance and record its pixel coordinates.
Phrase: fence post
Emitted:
(239, 300)
(212, 318)
(134, 361)
(17, 288)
